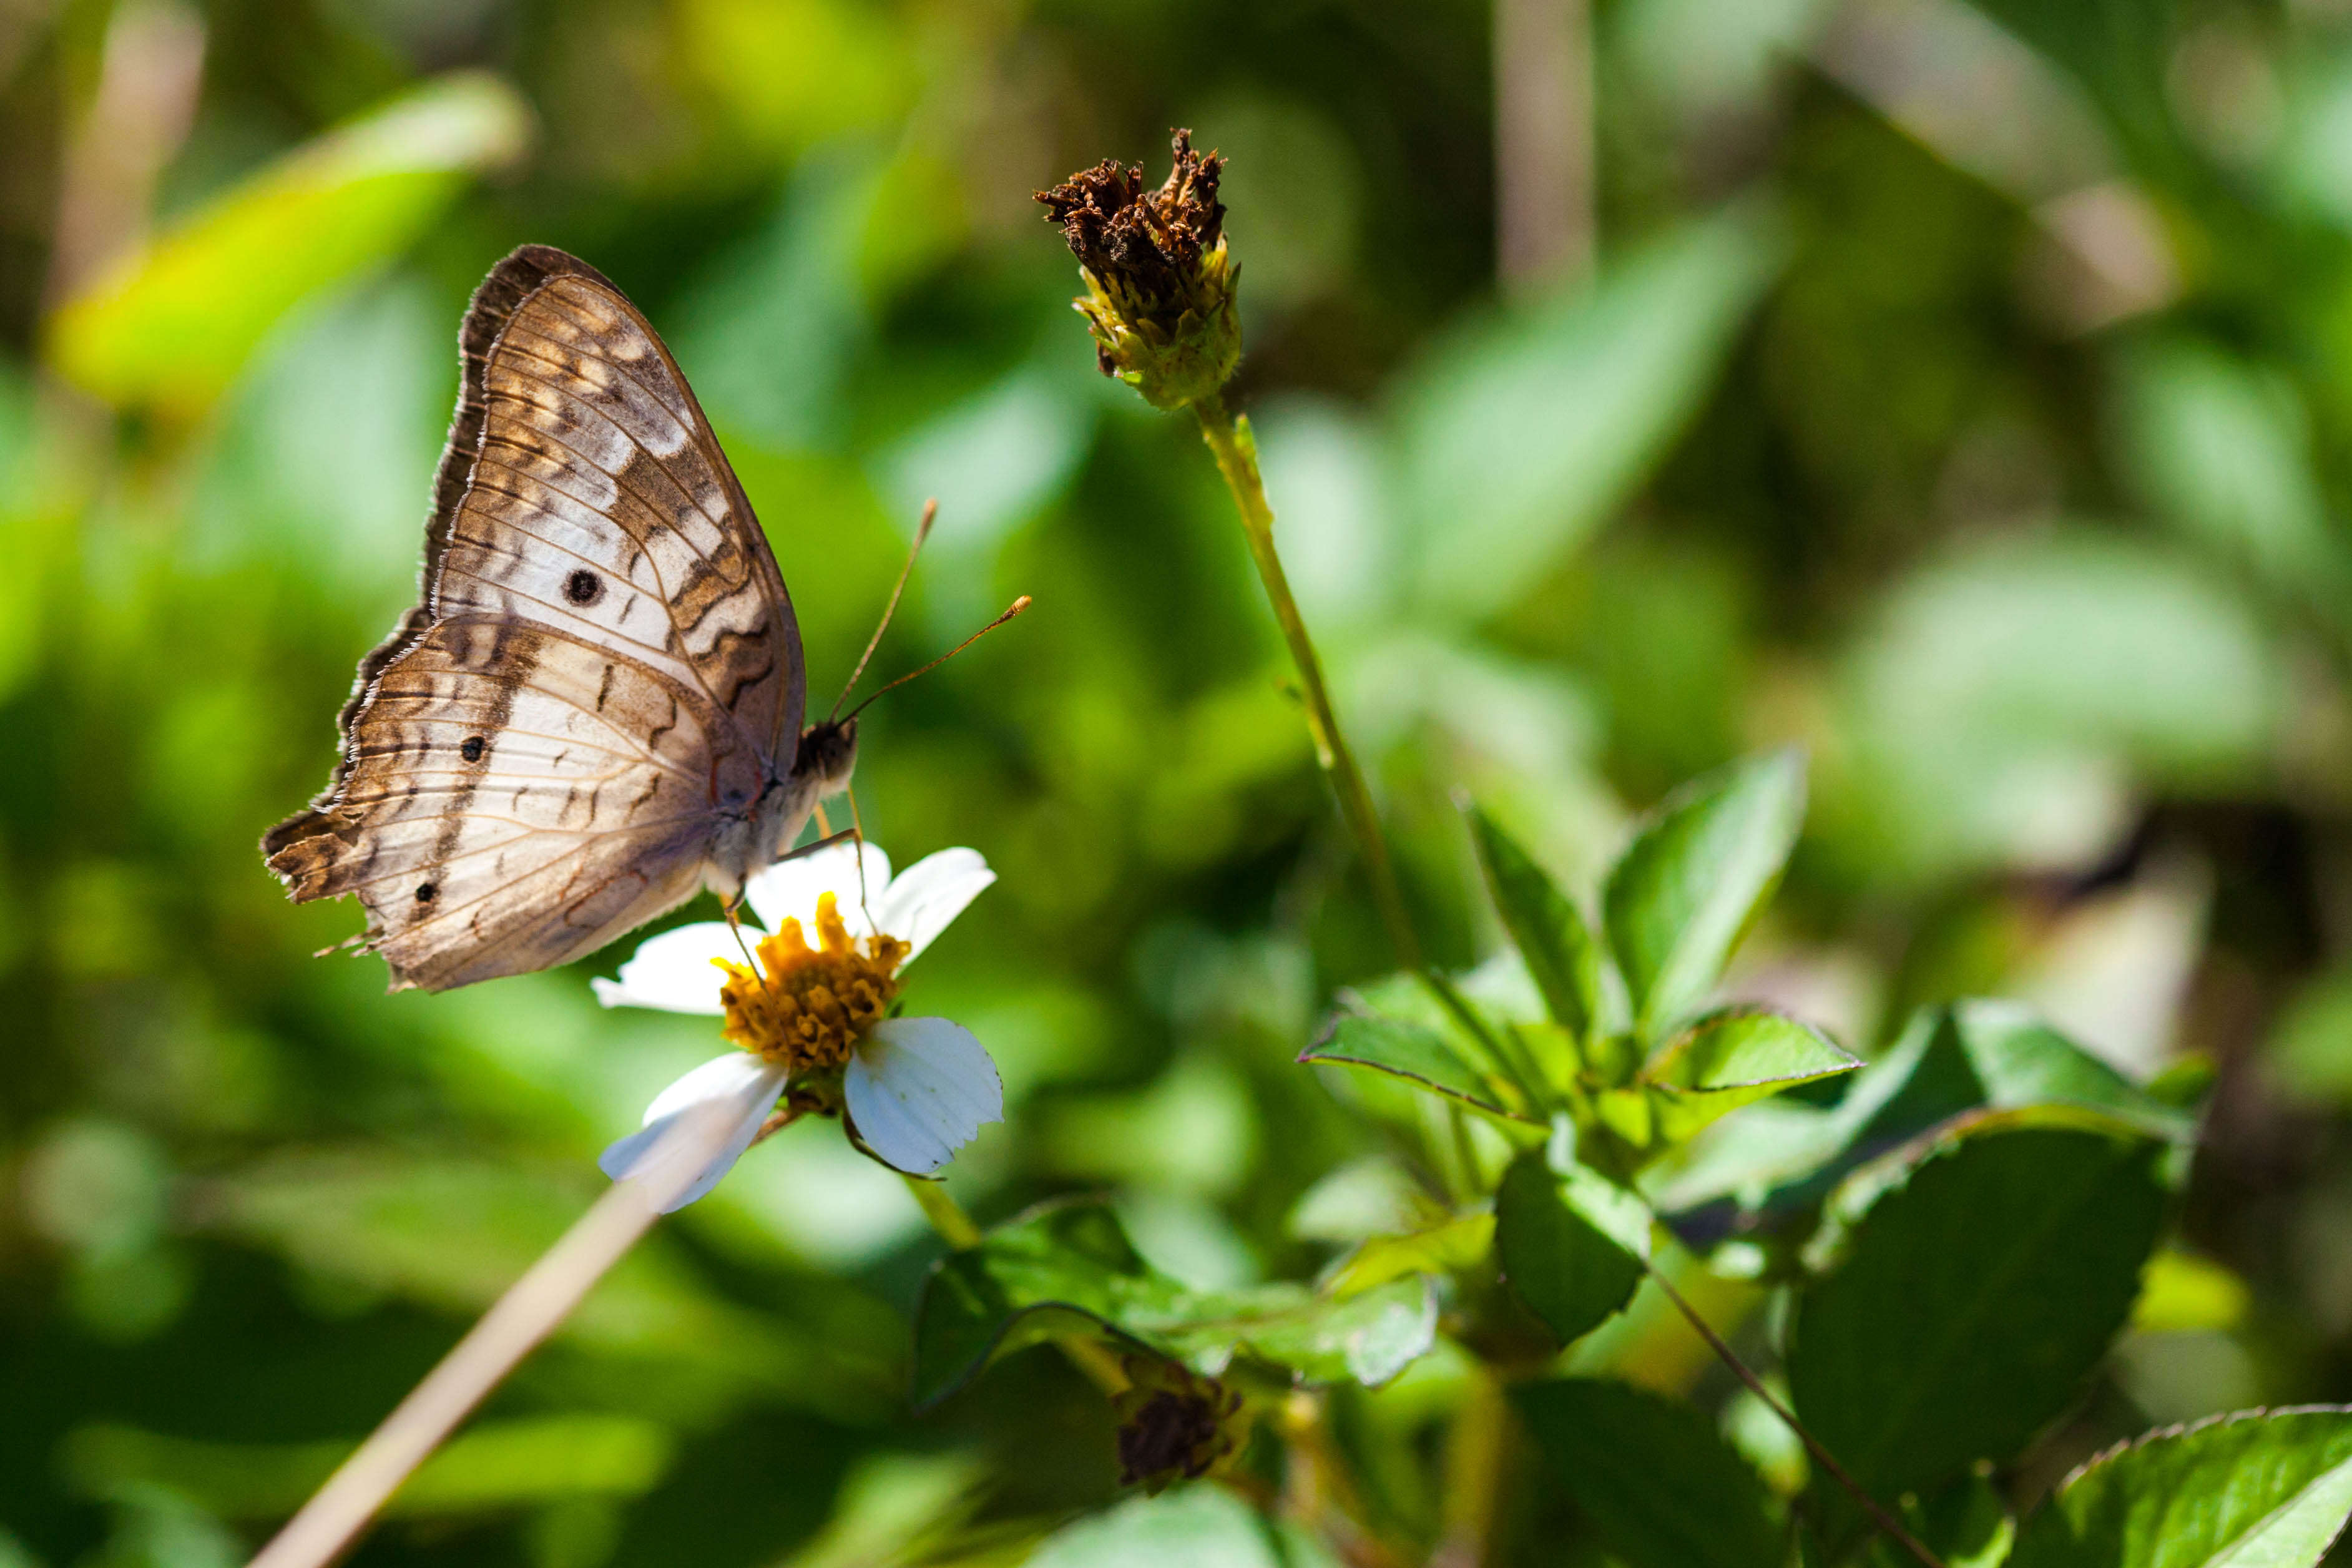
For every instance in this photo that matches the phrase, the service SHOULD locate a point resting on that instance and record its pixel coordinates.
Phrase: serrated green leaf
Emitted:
(1559, 948)
(170, 327)
(1972, 1300)
(1660, 1485)
(1572, 1243)
(1070, 1261)
(1731, 1059)
(2257, 1489)
(1950, 1061)
(1409, 1050)
(1696, 875)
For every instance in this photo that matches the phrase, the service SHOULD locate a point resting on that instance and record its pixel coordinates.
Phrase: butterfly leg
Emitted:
(729, 908)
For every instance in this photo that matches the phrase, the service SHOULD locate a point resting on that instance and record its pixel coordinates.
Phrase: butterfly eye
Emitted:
(472, 750)
(424, 893)
(583, 587)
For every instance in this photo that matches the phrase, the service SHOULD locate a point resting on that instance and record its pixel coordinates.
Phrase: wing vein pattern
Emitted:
(603, 675)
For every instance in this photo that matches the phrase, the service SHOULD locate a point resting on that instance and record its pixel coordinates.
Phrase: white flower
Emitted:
(914, 1089)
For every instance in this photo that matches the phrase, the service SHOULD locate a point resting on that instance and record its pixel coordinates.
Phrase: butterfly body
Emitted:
(595, 710)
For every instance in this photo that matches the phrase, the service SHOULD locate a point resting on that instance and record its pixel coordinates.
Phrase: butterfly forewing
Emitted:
(604, 673)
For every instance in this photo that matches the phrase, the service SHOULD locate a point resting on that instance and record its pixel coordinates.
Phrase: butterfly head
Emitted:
(828, 752)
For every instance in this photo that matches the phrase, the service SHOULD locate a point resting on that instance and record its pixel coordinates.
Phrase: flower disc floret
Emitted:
(804, 1007)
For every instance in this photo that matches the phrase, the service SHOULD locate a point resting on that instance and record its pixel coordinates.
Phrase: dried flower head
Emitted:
(1174, 1424)
(1160, 289)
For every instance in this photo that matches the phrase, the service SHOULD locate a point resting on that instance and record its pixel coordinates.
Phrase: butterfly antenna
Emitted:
(922, 533)
(1018, 605)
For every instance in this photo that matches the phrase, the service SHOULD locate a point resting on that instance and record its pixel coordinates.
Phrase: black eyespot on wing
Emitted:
(583, 587)
(472, 750)
(424, 893)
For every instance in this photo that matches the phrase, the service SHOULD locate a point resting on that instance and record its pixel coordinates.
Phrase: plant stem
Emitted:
(1316, 1490)
(956, 1228)
(1473, 1473)
(947, 1216)
(1879, 1515)
(1236, 449)
(532, 1308)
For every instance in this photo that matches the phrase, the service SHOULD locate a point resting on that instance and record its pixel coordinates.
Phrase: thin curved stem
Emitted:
(532, 1308)
(1887, 1522)
(1236, 449)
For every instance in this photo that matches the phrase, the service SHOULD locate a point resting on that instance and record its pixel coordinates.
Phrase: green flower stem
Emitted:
(1236, 449)
(947, 1216)
(1475, 1464)
(1887, 1522)
(956, 1228)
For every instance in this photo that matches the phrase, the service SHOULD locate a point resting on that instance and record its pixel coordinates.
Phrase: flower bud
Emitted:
(1173, 1424)
(1160, 289)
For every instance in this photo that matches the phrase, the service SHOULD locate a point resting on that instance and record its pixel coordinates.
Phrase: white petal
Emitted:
(790, 887)
(673, 970)
(918, 1088)
(930, 894)
(743, 1090)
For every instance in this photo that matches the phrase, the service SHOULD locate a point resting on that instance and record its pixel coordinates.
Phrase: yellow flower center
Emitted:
(805, 1006)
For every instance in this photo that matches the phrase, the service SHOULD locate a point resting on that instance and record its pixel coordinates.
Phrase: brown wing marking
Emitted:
(589, 418)
(581, 813)
(604, 671)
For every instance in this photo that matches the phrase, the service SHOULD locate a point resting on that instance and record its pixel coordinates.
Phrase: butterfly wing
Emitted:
(604, 673)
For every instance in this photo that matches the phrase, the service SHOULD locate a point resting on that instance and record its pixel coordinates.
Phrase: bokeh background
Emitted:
(1962, 391)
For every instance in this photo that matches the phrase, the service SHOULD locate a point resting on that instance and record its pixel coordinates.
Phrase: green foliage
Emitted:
(1572, 1245)
(1730, 1058)
(1981, 429)
(1694, 878)
(1972, 1297)
(172, 328)
(495, 1465)
(1027, 1278)
(1204, 1528)
(1662, 1489)
(2267, 1487)
(1518, 436)
(1412, 1050)
(1562, 956)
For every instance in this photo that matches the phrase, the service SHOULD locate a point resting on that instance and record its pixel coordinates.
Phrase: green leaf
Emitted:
(1731, 1059)
(1066, 1261)
(1696, 875)
(2257, 1489)
(1191, 1527)
(1355, 1037)
(1949, 1061)
(1657, 1482)
(2117, 50)
(494, 1467)
(1993, 694)
(170, 327)
(1974, 1297)
(1545, 925)
(2222, 448)
(1523, 434)
(1446, 1248)
(1572, 1243)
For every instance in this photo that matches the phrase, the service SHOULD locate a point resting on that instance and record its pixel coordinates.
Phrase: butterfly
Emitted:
(595, 710)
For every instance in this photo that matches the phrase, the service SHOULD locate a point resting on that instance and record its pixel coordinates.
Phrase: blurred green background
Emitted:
(1965, 393)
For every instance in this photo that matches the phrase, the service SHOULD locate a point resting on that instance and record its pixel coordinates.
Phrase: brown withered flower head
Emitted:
(1173, 1424)
(1159, 288)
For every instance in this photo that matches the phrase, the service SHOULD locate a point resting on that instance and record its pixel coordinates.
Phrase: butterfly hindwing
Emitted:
(601, 677)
